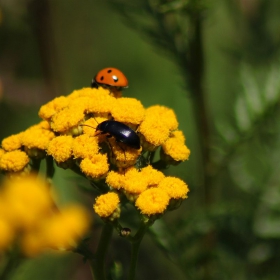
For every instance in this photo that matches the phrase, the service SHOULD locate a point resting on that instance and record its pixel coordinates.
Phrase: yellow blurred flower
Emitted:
(27, 200)
(61, 231)
(152, 201)
(14, 161)
(7, 234)
(60, 148)
(106, 204)
(64, 229)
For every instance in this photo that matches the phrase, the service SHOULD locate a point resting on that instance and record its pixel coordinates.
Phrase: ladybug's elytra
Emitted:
(110, 78)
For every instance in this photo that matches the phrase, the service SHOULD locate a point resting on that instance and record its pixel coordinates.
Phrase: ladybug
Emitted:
(111, 78)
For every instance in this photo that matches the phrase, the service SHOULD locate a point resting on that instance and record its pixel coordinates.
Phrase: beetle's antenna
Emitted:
(90, 127)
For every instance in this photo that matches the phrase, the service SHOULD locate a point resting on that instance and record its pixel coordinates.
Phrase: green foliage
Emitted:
(220, 70)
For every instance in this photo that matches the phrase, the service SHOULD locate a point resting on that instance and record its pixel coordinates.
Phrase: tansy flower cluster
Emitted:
(29, 219)
(70, 134)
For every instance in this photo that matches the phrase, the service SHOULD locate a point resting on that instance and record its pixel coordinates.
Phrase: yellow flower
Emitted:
(123, 155)
(174, 187)
(14, 161)
(27, 201)
(102, 104)
(95, 167)
(12, 142)
(37, 138)
(128, 110)
(100, 100)
(152, 201)
(60, 148)
(134, 181)
(67, 119)
(157, 125)
(115, 179)
(175, 147)
(85, 146)
(163, 114)
(64, 229)
(152, 175)
(153, 131)
(106, 204)
(52, 107)
(7, 234)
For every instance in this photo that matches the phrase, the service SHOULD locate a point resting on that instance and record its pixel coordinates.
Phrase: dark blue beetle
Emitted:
(122, 133)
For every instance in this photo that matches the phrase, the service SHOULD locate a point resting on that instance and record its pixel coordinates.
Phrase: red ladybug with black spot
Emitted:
(110, 78)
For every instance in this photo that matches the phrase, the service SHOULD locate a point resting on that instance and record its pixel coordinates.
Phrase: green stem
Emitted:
(50, 168)
(135, 250)
(12, 263)
(36, 165)
(98, 263)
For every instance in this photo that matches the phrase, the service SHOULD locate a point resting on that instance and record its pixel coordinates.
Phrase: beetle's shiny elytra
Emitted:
(110, 78)
(122, 133)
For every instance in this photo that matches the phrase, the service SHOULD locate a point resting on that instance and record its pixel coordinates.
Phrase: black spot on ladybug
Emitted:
(102, 78)
(109, 71)
(115, 78)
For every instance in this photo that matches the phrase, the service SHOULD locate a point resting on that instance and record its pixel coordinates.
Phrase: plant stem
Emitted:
(50, 168)
(98, 263)
(195, 82)
(196, 76)
(135, 250)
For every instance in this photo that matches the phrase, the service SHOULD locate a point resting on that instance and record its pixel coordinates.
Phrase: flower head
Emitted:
(12, 142)
(106, 204)
(36, 137)
(85, 146)
(174, 187)
(67, 119)
(52, 107)
(95, 166)
(60, 148)
(128, 110)
(158, 123)
(14, 161)
(175, 147)
(152, 201)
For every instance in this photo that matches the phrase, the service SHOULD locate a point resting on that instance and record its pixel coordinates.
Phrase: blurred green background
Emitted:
(50, 48)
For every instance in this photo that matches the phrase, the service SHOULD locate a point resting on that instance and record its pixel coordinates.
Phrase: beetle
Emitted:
(122, 133)
(111, 78)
